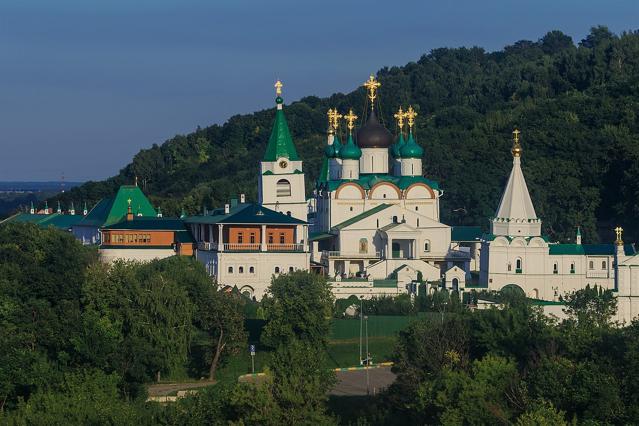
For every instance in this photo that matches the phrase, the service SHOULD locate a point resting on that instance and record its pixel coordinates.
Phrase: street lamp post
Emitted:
(361, 315)
(368, 359)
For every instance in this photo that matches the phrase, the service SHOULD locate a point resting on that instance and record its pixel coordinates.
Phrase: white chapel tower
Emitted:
(281, 182)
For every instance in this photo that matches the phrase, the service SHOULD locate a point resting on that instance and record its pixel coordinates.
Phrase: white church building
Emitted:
(516, 254)
(376, 226)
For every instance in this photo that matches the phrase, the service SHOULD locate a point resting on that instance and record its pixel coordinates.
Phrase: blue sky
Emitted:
(84, 84)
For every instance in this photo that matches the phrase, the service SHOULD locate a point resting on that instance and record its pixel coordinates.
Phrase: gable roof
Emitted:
(361, 216)
(112, 210)
(246, 213)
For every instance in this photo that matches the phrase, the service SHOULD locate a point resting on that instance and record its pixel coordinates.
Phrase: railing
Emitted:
(327, 253)
(249, 247)
(285, 247)
(242, 247)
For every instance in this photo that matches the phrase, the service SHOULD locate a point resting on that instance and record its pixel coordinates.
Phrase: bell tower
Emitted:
(281, 182)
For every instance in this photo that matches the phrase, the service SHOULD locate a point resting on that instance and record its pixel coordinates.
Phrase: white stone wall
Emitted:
(374, 160)
(267, 188)
(411, 167)
(255, 280)
(140, 255)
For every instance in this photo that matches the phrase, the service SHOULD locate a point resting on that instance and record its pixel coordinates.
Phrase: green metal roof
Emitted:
(350, 151)
(280, 144)
(411, 149)
(318, 236)
(465, 233)
(112, 210)
(57, 220)
(397, 146)
(362, 216)
(384, 283)
(247, 213)
(367, 181)
(589, 249)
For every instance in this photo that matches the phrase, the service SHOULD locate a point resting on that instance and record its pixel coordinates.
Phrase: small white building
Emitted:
(515, 253)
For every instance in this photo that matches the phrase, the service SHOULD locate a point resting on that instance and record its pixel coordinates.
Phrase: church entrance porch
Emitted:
(400, 241)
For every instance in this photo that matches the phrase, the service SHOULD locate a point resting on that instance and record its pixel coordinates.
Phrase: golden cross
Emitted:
(619, 231)
(372, 85)
(350, 119)
(278, 87)
(333, 119)
(410, 114)
(129, 201)
(400, 115)
(516, 134)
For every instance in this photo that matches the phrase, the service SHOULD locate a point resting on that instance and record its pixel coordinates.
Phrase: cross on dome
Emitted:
(350, 119)
(278, 87)
(619, 232)
(372, 85)
(399, 116)
(410, 114)
(333, 119)
(516, 144)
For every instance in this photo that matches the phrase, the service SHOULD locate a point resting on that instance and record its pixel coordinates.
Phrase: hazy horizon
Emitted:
(86, 86)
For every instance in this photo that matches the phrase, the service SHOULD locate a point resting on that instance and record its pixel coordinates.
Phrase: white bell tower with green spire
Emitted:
(281, 182)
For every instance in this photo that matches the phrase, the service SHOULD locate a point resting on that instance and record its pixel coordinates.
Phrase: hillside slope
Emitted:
(576, 105)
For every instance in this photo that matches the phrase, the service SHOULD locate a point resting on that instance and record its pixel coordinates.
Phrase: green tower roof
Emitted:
(280, 144)
(411, 149)
(350, 151)
(397, 146)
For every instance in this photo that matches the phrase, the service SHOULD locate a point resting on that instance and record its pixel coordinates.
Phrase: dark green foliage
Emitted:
(576, 106)
(513, 365)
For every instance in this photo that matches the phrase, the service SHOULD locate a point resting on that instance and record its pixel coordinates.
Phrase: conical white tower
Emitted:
(516, 214)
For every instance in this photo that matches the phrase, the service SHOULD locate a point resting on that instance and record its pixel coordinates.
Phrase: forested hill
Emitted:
(576, 104)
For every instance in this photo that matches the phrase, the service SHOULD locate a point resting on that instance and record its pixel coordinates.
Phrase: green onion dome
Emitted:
(329, 151)
(397, 146)
(335, 148)
(350, 151)
(411, 149)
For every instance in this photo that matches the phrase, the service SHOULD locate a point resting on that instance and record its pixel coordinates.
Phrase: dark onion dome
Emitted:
(373, 134)
(397, 146)
(411, 149)
(350, 151)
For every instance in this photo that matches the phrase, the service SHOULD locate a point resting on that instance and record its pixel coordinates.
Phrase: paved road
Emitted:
(354, 382)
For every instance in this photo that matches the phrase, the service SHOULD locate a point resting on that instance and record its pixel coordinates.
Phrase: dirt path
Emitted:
(163, 389)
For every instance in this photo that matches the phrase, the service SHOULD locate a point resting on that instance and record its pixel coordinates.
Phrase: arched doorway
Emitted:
(455, 284)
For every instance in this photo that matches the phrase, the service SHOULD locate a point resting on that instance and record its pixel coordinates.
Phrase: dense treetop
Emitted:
(575, 104)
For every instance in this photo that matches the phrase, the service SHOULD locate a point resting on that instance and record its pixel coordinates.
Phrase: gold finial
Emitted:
(516, 144)
(619, 232)
(399, 116)
(410, 114)
(129, 201)
(350, 119)
(372, 85)
(333, 120)
(278, 88)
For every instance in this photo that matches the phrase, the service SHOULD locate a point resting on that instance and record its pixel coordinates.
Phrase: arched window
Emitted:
(418, 222)
(535, 293)
(283, 188)
(427, 245)
(277, 269)
(591, 265)
(291, 269)
(455, 284)
(351, 208)
(363, 245)
(394, 219)
(240, 269)
(518, 266)
(251, 270)
(604, 264)
(383, 195)
(416, 208)
(230, 269)
(555, 268)
(572, 268)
